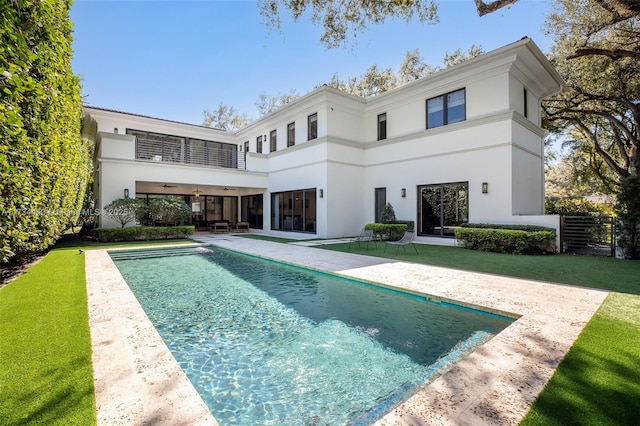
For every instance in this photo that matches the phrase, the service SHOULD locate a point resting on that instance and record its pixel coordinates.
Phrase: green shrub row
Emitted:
(387, 231)
(44, 162)
(142, 233)
(507, 240)
(410, 224)
(526, 228)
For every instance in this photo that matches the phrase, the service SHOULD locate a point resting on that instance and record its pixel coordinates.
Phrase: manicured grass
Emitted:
(589, 271)
(46, 376)
(45, 347)
(598, 382)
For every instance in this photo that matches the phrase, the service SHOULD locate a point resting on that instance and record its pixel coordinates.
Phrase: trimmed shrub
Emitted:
(388, 215)
(387, 231)
(513, 241)
(527, 228)
(627, 207)
(410, 224)
(142, 233)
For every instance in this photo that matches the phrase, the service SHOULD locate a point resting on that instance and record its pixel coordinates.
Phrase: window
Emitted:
(291, 134)
(259, 144)
(273, 141)
(312, 126)
(382, 126)
(526, 110)
(446, 109)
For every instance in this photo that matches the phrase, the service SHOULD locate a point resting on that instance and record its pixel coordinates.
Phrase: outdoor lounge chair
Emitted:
(407, 238)
(366, 236)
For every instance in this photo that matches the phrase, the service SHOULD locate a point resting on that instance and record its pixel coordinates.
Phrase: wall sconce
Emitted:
(321, 193)
(403, 192)
(485, 187)
(126, 193)
(115, 130)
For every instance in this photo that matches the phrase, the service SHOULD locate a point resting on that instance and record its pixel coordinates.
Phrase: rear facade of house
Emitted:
(462, 145)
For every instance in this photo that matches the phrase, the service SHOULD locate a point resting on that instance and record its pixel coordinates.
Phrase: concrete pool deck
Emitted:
(137, 380)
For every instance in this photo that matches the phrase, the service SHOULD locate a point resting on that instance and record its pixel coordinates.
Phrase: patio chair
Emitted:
(366, 236)
(406, 239)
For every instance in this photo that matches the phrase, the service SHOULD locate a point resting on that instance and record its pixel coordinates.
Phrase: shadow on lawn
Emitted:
(56, 397)
(578, 398)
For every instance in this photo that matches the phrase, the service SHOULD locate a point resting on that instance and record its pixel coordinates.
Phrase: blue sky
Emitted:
(173, 59)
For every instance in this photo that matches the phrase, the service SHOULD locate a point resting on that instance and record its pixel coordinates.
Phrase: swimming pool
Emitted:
(270, 344)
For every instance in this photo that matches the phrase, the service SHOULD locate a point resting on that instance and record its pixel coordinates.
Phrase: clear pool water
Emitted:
(266, 343)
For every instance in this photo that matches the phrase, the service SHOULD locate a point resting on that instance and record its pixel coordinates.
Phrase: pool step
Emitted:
(145, 254)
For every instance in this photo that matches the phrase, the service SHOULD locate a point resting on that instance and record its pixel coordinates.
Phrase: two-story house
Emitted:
(462, 145)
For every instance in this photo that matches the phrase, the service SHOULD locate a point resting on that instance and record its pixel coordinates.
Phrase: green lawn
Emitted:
(598, 382)
(45, 348)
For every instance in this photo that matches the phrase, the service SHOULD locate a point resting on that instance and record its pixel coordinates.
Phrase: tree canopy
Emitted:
(342, 19)
(599, 114)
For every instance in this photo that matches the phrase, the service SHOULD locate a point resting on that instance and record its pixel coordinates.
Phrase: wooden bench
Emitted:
(219, 227)
(242, 227)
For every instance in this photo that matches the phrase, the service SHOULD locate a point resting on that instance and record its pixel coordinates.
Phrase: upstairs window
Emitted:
(273, 141)
(259, 144)
(382, 126)
(291, 134)
(526, 107)
(446, 109)
(312, 126)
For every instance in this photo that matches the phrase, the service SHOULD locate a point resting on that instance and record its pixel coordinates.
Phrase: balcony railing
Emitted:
(176, 150)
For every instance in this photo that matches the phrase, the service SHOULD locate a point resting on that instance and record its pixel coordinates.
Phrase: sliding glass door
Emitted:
(442, 208)
(294, 211)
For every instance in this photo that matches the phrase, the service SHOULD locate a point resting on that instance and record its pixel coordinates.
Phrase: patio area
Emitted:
(138, 381)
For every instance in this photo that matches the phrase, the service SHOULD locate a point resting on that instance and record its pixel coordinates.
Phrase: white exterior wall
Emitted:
(495, 144)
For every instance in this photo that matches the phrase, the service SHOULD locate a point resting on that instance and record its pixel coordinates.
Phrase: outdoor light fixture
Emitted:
(485, 187)
(321, 193)
(197, 193)
(403, 192)
(126, 193)
(115, 130)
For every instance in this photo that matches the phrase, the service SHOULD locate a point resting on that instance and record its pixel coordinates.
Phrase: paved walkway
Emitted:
(495, 385)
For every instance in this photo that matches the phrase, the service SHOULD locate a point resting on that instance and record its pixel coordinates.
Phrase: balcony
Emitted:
(194, 152)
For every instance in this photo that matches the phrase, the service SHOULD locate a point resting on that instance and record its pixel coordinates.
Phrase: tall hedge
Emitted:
(44, 162)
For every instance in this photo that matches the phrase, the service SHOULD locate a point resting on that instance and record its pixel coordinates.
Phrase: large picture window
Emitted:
(446, 109)
(294, 211)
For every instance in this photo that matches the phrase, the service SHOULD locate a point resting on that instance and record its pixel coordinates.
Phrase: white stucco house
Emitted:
(462, 145)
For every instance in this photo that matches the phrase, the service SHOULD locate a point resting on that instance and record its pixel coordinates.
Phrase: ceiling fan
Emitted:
(167, 186)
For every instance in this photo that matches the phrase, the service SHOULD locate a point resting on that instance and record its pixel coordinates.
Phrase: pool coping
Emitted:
(138, 381)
